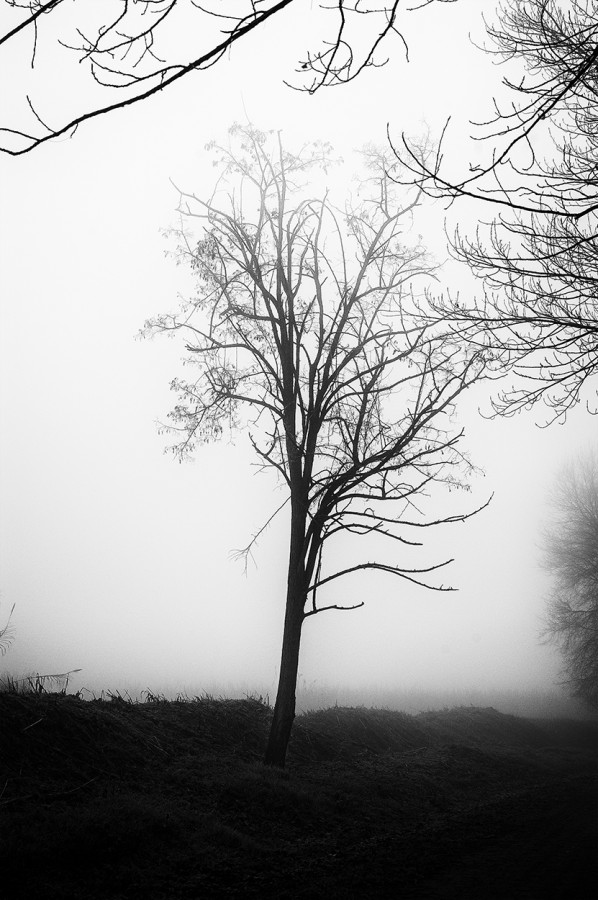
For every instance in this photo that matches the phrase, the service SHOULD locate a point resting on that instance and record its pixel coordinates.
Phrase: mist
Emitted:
(118, 559)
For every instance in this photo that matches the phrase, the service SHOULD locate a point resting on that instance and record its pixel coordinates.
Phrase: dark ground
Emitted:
(107, 799)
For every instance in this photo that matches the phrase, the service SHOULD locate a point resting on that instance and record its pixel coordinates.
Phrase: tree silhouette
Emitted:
(538, 257)
(300, 334)
(572, 557)
(128, 50)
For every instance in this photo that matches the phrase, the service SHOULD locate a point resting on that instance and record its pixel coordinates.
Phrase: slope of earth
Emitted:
(168, 799)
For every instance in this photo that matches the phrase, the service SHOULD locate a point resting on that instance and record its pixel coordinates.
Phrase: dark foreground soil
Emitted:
(159, 800)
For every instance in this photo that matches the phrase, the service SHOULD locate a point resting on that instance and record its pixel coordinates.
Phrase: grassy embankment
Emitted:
(169, 799)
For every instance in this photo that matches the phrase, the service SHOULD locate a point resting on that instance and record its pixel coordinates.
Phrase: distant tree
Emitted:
(6, 633)
(300, 334)
(572, 557)
(538, 257)
(128, 50)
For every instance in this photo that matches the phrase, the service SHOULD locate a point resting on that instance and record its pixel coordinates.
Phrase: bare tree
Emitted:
(572, 557)
(300, 333)
(128, 50)
(538, 257)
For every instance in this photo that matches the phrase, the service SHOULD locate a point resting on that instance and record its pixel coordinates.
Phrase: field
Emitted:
(163, 800)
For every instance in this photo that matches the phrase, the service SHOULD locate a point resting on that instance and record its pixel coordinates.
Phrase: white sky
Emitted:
(117, 557)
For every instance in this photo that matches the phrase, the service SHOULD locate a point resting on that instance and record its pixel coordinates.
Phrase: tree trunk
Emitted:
(284, 708)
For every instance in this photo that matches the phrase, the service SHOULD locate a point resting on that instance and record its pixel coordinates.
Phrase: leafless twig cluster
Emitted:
(538, 258)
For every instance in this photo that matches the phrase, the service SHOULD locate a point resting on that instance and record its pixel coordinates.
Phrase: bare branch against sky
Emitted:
(129, 50)
(537, 259)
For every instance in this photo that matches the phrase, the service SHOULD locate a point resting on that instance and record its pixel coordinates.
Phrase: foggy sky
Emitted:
(116, 556)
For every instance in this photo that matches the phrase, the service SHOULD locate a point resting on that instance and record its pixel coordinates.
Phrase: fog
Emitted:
(116, 557)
